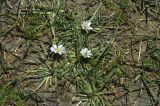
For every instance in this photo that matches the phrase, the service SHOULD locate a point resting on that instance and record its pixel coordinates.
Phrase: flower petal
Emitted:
(55, 46)
(89, 23)
(63, 50)
(60, 53)
(52, 49)
(90, 28)
(60, 46)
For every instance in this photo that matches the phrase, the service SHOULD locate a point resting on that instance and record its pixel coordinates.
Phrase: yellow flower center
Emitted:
(85, 26)
(58, 50)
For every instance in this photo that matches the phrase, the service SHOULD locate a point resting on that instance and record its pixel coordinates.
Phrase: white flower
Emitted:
(86, 53)
(58, 49)
(86, 25)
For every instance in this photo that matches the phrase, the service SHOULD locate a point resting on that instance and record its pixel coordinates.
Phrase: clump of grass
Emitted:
(11, 96)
